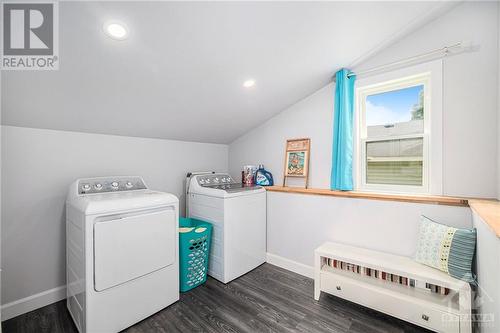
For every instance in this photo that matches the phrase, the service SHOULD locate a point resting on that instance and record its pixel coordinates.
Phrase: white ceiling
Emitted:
(179, 74)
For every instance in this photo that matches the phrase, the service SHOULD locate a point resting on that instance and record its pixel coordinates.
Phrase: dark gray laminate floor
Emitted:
(268, 299)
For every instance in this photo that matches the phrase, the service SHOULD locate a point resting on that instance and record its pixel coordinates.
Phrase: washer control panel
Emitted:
(111, 184)
(214, 179)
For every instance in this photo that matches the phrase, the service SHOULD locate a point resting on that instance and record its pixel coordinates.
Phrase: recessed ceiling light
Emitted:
(116, 30)
(249, 83)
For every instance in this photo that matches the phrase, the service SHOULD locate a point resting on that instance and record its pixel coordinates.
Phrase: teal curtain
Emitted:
(343, 118)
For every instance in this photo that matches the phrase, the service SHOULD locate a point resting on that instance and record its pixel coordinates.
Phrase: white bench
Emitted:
(416, 304)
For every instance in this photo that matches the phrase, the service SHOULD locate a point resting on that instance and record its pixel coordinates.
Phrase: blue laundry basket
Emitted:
(194, 248)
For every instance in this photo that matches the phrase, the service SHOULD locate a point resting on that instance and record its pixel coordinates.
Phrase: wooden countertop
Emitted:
(425, 199)
(489, 211)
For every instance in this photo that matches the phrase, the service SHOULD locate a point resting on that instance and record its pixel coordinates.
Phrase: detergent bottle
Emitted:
(263, 177)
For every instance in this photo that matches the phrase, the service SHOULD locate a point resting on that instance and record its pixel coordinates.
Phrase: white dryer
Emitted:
(121, 252)
(238, 215)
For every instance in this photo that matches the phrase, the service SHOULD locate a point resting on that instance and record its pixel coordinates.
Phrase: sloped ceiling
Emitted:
(179, 74)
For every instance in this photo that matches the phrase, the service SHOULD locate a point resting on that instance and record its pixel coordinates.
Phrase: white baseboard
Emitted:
(33, 302)
(291, 265)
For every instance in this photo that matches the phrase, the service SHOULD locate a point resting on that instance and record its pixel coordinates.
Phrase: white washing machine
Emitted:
(121, 252)
(238, 215)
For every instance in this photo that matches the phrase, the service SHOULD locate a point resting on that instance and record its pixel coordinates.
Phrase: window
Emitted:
(394, 134)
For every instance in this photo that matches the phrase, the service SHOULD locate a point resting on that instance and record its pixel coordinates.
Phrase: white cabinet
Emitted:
(447, 313)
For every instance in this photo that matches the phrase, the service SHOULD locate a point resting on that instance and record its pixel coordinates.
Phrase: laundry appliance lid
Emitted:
(230, 190)
(122, 201)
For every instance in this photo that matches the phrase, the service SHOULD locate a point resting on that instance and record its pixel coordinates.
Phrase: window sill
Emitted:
(424, 199)
(489, 211)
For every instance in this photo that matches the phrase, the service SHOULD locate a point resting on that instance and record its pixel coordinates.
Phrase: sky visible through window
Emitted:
(393, 106)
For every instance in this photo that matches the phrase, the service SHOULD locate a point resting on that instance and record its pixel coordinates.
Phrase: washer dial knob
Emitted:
(86, 187)
(115, 185)
(129, 184)
(98, 186)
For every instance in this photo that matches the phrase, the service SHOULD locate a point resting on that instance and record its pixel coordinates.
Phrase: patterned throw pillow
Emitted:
(446, 248)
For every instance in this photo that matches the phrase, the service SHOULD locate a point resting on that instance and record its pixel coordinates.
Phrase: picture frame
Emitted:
(296, 165)
(297, 154)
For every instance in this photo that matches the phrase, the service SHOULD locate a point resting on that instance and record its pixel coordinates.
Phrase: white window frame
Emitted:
(430, 76)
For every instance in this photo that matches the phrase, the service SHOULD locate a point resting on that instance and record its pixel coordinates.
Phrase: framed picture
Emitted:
(297, 159)
(296, 165)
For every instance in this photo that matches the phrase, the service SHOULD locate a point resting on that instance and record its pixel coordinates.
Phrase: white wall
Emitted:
(298, 223)
(488, 271)
(470, 94)
(498, 114)
(469, 115)
(37, 168)
(0, 199)
(312, 117)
